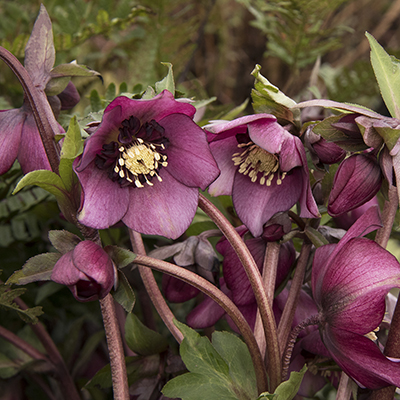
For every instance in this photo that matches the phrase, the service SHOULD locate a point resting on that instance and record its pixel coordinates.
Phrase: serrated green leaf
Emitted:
(45, 179)
(317, 239)
(387, 73)
(72, 69)
(287, 390)
(124, 295)
(121, 257)
(110, 92)
(141, 339)
(236, 354)
(168, 82)
(95, 101)
(63, 241)
(37, 268)
(7, 301)
(267, 98)
(73, 144)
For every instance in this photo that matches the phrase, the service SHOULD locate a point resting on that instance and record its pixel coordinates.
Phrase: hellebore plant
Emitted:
(263, 167)
(143, 165)
(349, 282)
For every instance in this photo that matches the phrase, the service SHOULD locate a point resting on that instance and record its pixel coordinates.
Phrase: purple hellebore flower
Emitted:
(349, 282)
(357, 180)
(195, 254)
(236, 284)
(19, 135)
(263, 167)
(143, 165)
(88, 271)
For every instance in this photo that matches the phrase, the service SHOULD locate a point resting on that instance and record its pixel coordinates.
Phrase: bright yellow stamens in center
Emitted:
(141, 159)
(254, 160)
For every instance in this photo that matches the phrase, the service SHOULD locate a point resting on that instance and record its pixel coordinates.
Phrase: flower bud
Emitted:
(87, 270)
(357, 180)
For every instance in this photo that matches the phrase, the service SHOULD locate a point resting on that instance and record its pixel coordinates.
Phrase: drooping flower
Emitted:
(357, 180)
(143, 165)
(235, 282)
(349, 284)
(263, 167)
(195, 254)
(88, 271)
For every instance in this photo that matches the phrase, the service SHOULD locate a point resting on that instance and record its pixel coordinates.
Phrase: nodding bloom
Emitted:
(88, 271)
(143, 165)
(263, 167)
(350, 281)
(357, 180)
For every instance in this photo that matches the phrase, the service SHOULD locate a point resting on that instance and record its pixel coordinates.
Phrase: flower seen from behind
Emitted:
(350, 281)
(143, 165)
(263, 167)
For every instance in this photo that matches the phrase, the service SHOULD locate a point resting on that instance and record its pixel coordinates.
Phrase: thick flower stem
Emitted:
(392, 348)
(271, 259)
(253, 273)
(68, 387)
(152, 288)
(115, 348)
(345, 387)
(22, 345)
(224, 301)
(285, 324)
(41, 109)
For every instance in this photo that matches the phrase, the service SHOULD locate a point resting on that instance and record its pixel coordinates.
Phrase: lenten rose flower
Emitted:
(143, 165)
(87, 270)
(350, 281)
(263, 167)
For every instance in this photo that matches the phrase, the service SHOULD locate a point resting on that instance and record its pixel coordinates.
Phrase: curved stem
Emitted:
(247, 260)
(285, 324)
(22, 345)
(392, 347)
(223, 300)
(388, 216)
(152, 288)
(314, 320)
(270, 266)
(41, 109)
(68, 386)
(115, 348)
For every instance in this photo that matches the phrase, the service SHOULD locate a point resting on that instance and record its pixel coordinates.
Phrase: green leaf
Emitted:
(110, 92)
(389, 135)
(287, 390)
(73, 143)
(37, 268)
(317, 239)
(95, 101)
(124, 294)
(387, 73)
(168, 82)
(221, 370)
(7, 301)
(72, 69)
(121, 257)
(47, 180)
(267, 98)
(63, 241)
(141, 339)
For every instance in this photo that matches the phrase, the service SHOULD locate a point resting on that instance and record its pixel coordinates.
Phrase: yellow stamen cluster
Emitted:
(253, 160)
(140, 159)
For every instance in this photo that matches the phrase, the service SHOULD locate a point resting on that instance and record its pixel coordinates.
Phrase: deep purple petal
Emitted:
(177, 291)
(11, 124)
(31, 153)
(354, 286)
(104, 201)
(156, 108)
(361, 359)
(189, 157)
(357, 180)
(65, 272)
(222, 151)
(165, 209)
(255, 204)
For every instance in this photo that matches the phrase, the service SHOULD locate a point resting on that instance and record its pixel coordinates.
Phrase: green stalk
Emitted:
(253, 273)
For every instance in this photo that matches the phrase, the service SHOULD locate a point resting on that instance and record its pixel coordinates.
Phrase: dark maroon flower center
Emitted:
(138, 155)
(256, 162)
